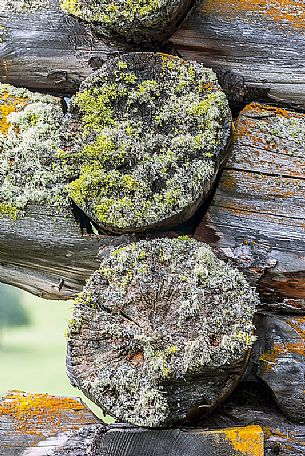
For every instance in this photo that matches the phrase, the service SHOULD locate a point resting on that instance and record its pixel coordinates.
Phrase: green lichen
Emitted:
(169, 321)
(8, 210)
(134, 21)
(30, 126)
(146, 149)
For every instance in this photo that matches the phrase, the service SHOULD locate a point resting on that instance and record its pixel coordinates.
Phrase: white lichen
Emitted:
(30, 125)
(158, 318)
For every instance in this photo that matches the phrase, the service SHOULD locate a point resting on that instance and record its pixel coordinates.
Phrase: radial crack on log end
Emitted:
(131, 23)
(146, 135)
(162, 328)
(30, 174)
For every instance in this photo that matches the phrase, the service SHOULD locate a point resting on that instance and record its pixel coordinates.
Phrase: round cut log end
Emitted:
(162, 330)
(145, 137)
(130, 23)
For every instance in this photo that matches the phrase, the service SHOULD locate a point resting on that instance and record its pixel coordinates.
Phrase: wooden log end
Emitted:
(161, 332)
(146, 135)
(130, 24)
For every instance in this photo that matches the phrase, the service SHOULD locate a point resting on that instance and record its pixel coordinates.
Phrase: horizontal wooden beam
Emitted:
(256, 48)
(257, 217)
(37, 424)
(46, 49)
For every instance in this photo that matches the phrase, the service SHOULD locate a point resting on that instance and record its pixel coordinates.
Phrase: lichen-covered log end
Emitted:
(146, 135)
(29, 138)
(130, 23)
(162, 331)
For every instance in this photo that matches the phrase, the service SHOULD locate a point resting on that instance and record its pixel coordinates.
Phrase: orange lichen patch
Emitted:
(248, 440)
(284, 11)
(262, 109)
(43, 415)
(298, 347)
(296, 324)
(8, 105)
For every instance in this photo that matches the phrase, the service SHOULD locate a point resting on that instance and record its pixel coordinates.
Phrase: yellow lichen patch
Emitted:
(43, 415)
(248, 440)
(8, 105)
(285, 11)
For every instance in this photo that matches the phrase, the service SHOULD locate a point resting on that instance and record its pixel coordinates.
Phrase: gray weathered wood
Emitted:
(37, 424)
(47, 253)
(256, 48)
(124, 441)
(46, 48)
(279, 360)
(257, 215)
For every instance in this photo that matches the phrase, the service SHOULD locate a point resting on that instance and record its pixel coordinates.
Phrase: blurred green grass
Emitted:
(32, 358)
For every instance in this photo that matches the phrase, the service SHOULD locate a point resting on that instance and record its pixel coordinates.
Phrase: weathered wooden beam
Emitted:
(256, 48)
(257, 215)
(43, 48)
(38, 423)
(279, 360)
(47, 253)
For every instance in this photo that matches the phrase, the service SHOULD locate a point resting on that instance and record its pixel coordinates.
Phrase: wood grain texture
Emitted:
(256, 48)
(279, 360)
(47, 253)
(256, 217)
(235, 441)
(252, 405)
(46, 49)
(36, 424)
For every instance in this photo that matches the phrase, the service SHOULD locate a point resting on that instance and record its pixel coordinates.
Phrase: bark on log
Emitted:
(257, 215)
(161, 332)
(279, 360)
(46, 49)
(256, 48)
(145, 138)
(33, 424)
